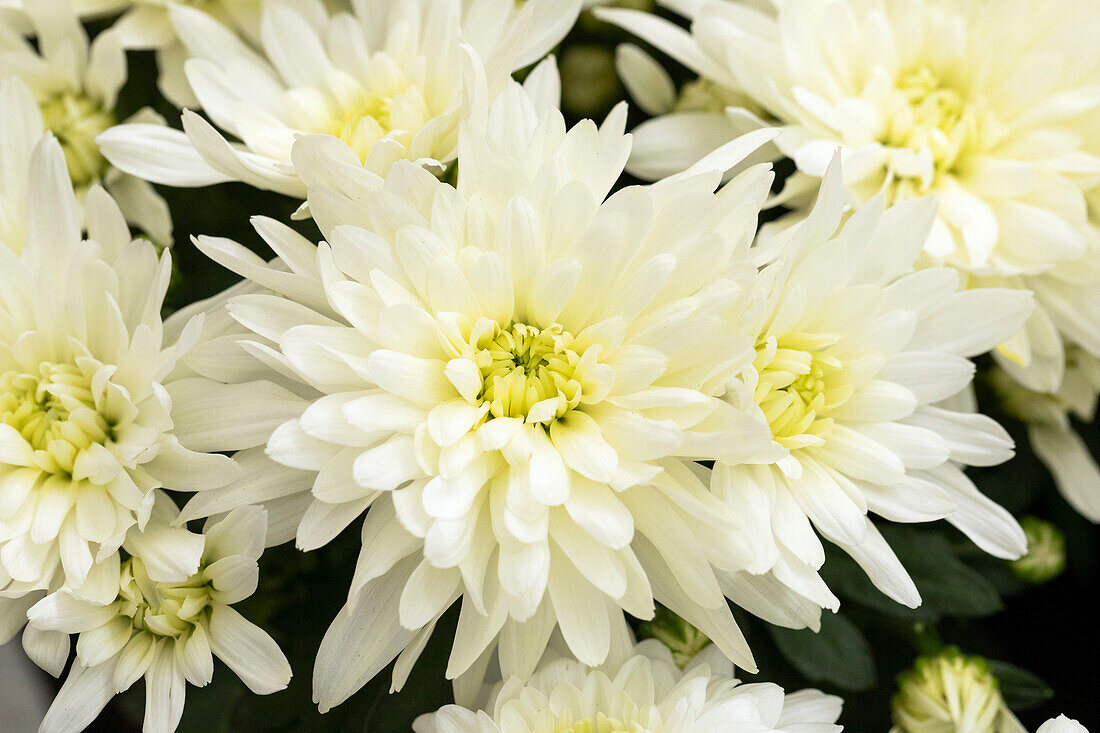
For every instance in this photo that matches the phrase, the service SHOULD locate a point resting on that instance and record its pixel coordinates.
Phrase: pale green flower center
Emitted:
(55, 412)
(367, 106)
(934, 118)
(385, 104)
(798, 381)
(523, 366)
(76, 121)
(163, 609)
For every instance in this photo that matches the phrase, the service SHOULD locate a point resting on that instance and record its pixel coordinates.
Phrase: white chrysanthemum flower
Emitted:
(647, 692)
(1062, 724)
(167, 631)
(951, 692)
(987, 106)
(1050, 432)
(75, 86)
(87, 423)
(853, 351)
(391, 80)
(515, 376)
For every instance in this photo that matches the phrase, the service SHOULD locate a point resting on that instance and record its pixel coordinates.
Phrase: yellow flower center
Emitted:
(54, 410)
(163, 609)
(361, 123)
(797, 384)
(938, 119)
(524, 366)
(76, 120)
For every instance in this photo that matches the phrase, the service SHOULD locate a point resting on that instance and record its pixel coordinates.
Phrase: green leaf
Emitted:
(1022, 690)
(948, 587)
(838, 654)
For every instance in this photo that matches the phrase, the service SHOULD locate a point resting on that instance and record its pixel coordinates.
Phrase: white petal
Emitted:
(1072, 465)
(81, 699)
(363, 639)
(579, 441)
(248, 651)
(159, 154)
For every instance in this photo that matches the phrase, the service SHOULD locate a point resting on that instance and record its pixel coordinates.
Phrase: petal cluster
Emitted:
(645, 692)
(856, 356)
(170, 616)
(988, 107)
(515, 375)
(70, 87)
(392, 80)
(88, 428)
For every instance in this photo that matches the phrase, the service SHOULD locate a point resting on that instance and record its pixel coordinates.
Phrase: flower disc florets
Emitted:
(77, 119)
(531, 373)
(797, 384)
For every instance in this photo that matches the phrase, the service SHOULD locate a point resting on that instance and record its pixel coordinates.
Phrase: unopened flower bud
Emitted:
(1046, 552)
(950, 692)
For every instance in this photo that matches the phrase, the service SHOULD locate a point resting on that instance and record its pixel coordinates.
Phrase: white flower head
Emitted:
(516, 376)
(951, 691)
(987, 106)
(646, 692)
(166, 629)
(1050, 430)
(75, 85)
(392, 80)
(1062, 724)
(87, 423)
(854, 351)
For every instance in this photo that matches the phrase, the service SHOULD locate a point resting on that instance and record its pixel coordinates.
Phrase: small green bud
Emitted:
(1046, 552)
(950, 692)
(683, 639)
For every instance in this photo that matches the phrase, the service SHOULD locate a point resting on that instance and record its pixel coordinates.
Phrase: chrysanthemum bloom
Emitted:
(854, 349)
(514, 376)
(390, 80)
(987, 106)
(1062, 724)
(951, 692)
(646, 692)
(165, 631)
(92, 407)
(75, 86)
(1051, 433)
